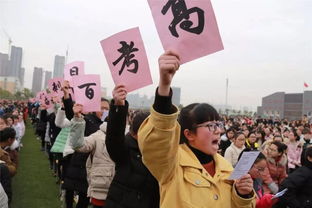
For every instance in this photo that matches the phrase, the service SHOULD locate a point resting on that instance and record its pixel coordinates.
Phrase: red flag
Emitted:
(305, 85)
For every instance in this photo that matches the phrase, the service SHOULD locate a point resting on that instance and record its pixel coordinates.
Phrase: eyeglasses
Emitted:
(259, 169)
(212, 126)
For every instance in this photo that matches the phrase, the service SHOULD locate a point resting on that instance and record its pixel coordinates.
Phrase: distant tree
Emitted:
(27, 93)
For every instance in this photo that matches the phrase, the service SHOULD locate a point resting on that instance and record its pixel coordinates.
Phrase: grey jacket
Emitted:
(100, 167)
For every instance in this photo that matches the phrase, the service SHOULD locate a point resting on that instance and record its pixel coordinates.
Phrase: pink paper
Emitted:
(55, 87)
(46, 99)
(130, 69)
(87, 89)
(75, 68)
(40, 95)
(193, 41)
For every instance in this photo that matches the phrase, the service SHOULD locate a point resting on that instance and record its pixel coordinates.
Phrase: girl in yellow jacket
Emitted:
(190, 174)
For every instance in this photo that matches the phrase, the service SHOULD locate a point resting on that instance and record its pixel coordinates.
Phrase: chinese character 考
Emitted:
(126, 53)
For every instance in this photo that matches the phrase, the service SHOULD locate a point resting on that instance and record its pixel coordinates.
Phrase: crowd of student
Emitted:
(166, 158)
(12, 130)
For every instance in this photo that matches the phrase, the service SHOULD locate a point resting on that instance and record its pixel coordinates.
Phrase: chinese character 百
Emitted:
(181, 13)
(126, 51)
(89, 91)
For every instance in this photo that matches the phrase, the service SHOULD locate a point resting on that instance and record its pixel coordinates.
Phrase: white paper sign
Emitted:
(244, 164)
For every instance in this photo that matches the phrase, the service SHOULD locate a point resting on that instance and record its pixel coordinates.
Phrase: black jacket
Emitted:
(133, 185)
(299, 185)
(5, 180)
(53, 130)
(75, 174)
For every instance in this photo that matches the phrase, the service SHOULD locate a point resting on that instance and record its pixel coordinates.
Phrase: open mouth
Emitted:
(215, 142)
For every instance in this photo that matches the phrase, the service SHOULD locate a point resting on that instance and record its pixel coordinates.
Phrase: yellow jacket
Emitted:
(183, 181)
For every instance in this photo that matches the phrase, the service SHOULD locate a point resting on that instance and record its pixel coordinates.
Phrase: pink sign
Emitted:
(75, 68)
(55, 86)
(187, 26)
(40, 95)
(46, 99)
(87, 90)
(127, 59)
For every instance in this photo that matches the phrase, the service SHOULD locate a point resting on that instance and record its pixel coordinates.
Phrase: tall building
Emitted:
(290, 106)
(37, 80)
(21, 76)
(15, 61)
(4, 64)
(176, 97)
(47, 76)
(59, 63)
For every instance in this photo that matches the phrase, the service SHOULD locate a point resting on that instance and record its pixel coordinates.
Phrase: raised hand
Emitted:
(77, 110)
(119, 95)
(244, 185)
(169, 63)
(65, 89)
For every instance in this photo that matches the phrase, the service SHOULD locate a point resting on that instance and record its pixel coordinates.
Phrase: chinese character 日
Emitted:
(73, 71)
(89, 91)
(126, 53)
(181, 13)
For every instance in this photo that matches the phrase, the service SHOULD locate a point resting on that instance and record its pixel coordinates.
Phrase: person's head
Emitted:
(307, 133)
(252, 138)
(259, 165)
(2, 123)
(15, 119)
(200, 127)
(7, 136)
(276, 149)
(104, 109)
(278, 138)
(308, 153)
(20, 117)
(246, 132)
(239, 139)
(292, 136)
(8, 118)
(137, 120)
(230, 133)
(267, 131)
(260, 135)
(286, 133)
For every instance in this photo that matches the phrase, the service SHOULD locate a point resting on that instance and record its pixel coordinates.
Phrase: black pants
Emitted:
(83, 201)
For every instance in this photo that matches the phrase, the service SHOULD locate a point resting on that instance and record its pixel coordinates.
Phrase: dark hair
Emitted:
(308, 152)
(306, 131)
(251, 132)
(138, 119)
(6, 134)
(195, 114)
(231, 129)
(104, 99)
(281, 147)
(5, 121)
(261, 156)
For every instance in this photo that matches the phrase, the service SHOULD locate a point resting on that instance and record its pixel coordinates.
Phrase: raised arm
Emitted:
(67, 101)
(159, 135)
(60, 120)
(115, 134)
(76, 135)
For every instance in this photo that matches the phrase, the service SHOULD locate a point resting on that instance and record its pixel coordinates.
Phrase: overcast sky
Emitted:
(267, 44)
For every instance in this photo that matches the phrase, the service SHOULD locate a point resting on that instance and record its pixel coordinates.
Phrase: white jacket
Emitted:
(100, 167)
